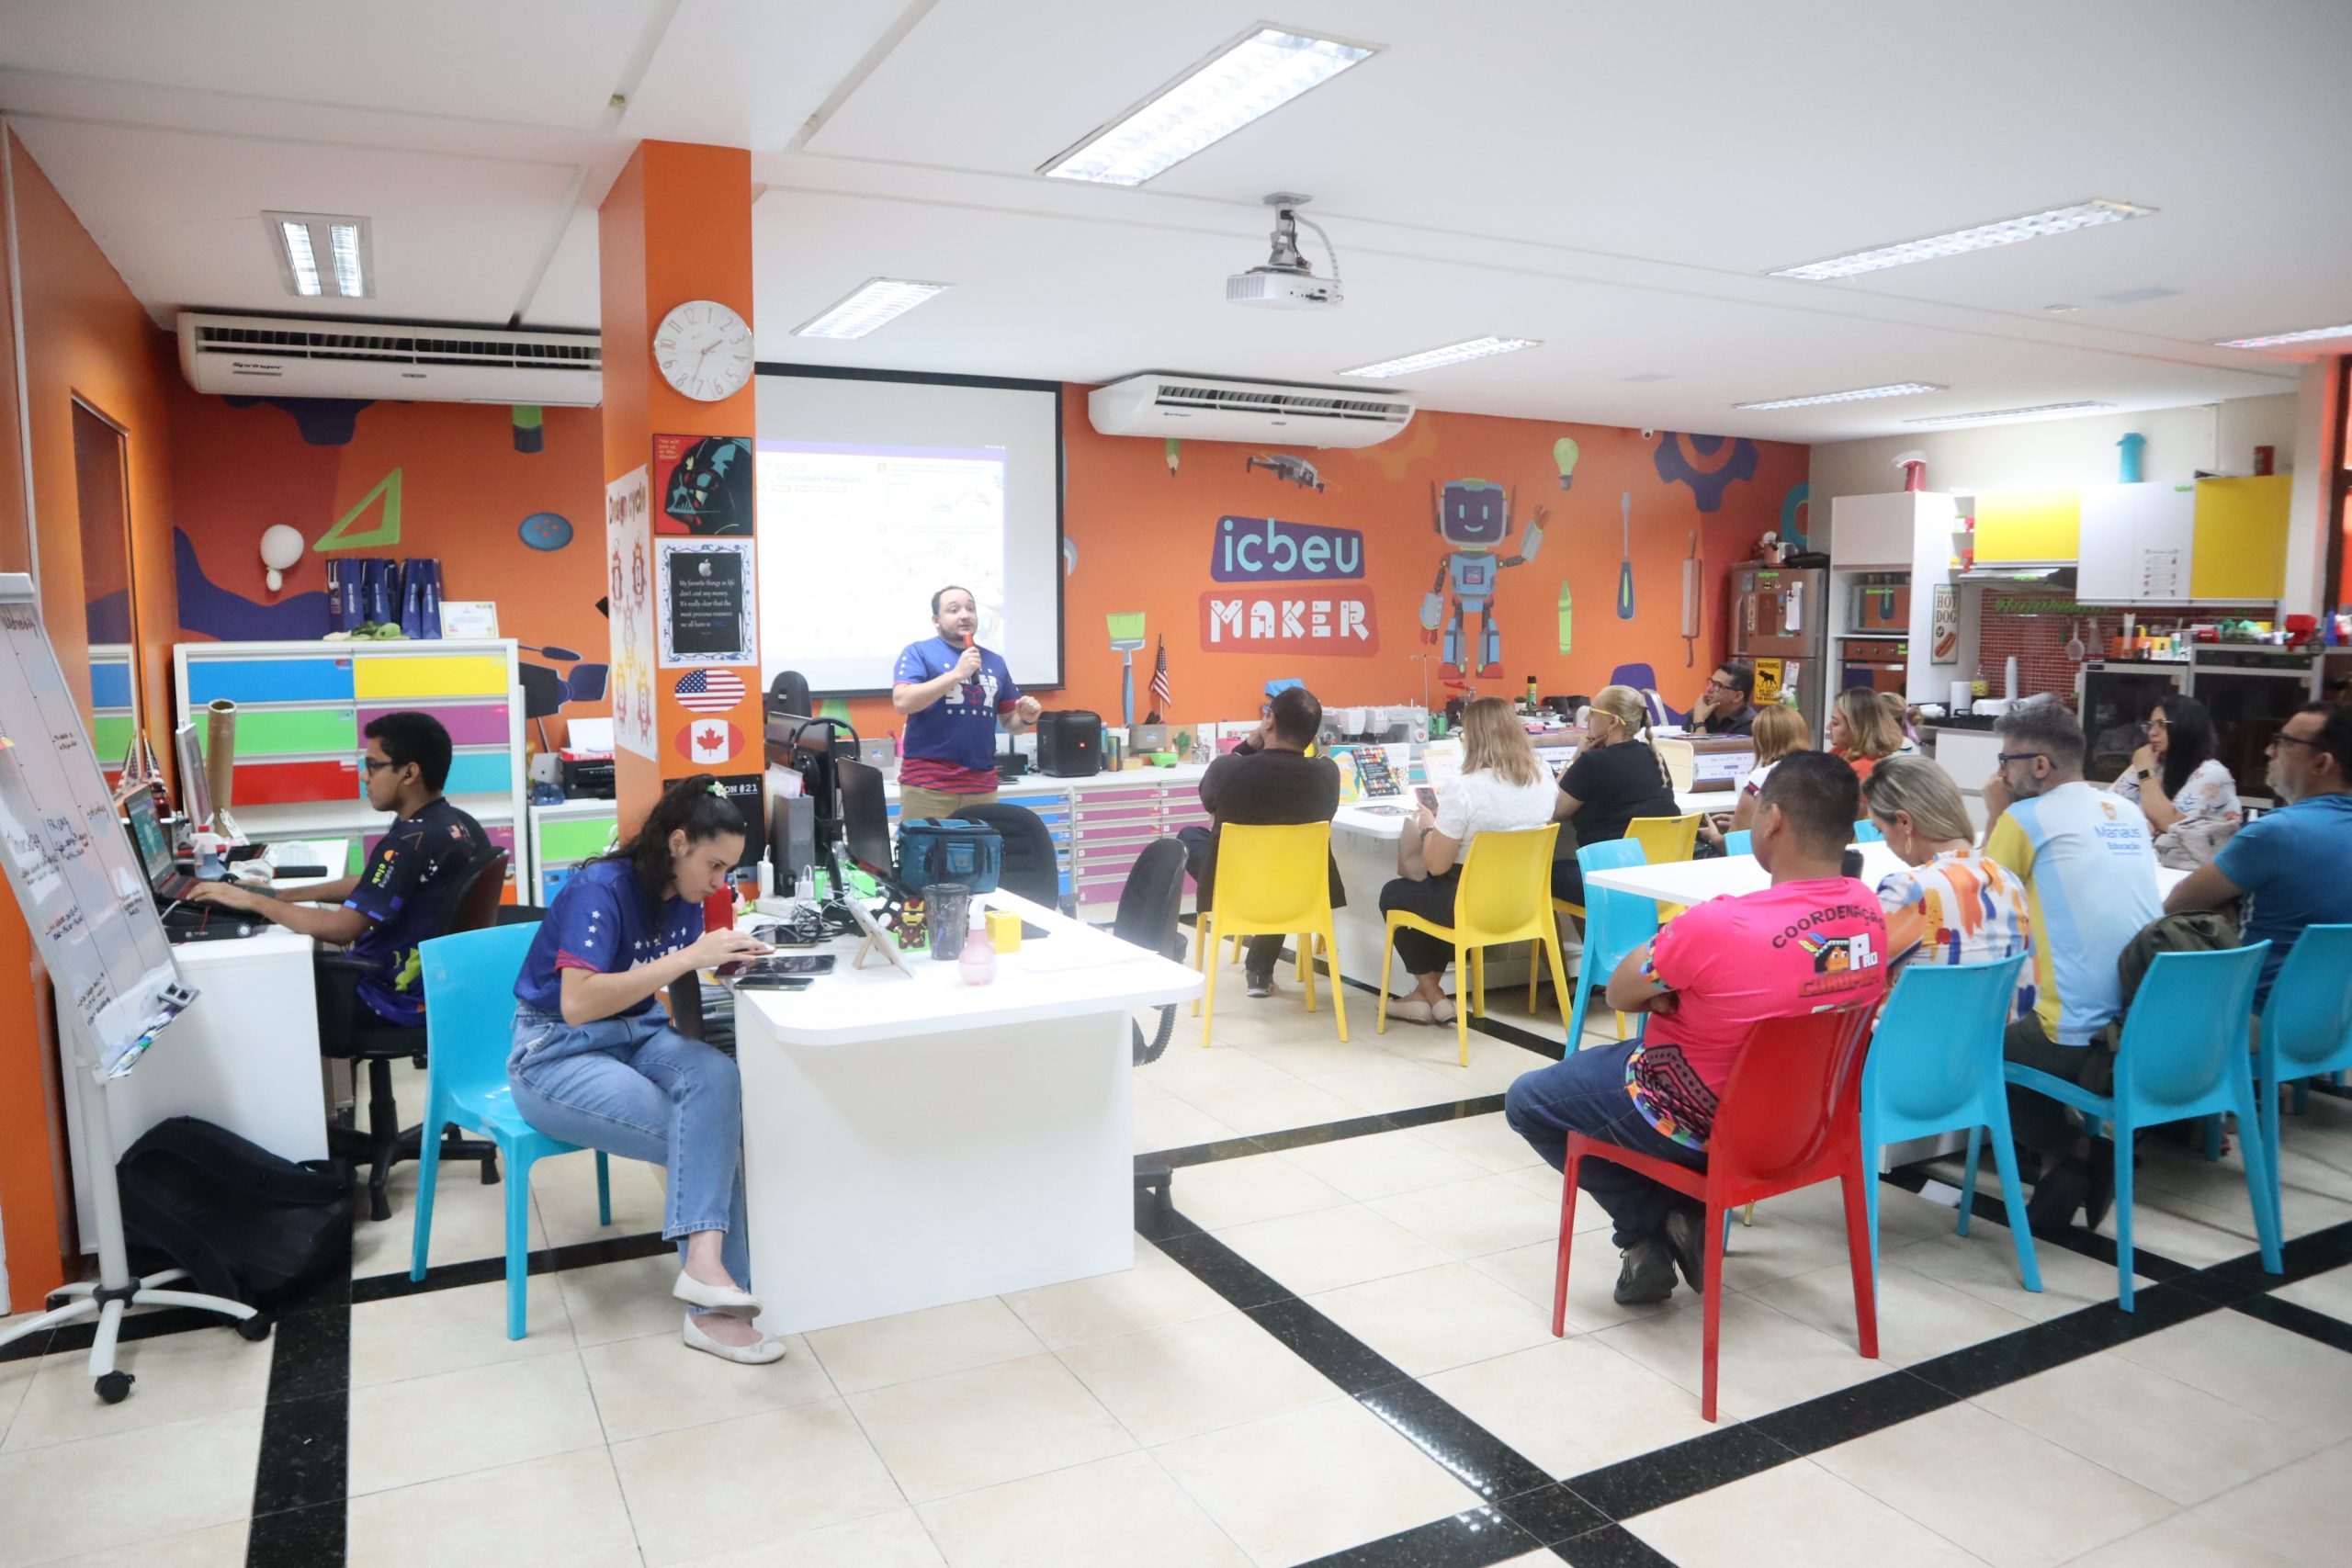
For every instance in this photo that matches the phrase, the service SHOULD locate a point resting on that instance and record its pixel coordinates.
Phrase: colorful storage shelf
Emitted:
(562, 836)
(114, 708)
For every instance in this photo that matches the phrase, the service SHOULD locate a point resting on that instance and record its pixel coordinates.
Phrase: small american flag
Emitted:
(1161, 692)
(709, 691)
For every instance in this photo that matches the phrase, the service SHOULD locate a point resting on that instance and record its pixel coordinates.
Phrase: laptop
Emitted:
(154, 851)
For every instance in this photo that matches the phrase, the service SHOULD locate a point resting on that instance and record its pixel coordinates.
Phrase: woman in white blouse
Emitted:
(2183, 789)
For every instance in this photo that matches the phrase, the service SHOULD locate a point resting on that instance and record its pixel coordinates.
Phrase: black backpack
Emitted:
(242, 1221)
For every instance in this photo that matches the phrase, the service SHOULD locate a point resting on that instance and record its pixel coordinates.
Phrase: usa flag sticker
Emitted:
(708, 691)
(708, 742)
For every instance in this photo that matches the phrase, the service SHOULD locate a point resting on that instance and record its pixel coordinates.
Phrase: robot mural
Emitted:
(1474, 517)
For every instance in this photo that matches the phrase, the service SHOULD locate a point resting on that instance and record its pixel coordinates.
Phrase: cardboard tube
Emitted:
(220, 748)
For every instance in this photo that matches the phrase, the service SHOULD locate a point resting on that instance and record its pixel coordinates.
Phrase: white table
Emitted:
(1696, 881)
(911, 1142)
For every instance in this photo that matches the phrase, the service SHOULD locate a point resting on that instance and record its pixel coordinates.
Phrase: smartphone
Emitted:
(773, 983)
(777, 964)
(1426, 795)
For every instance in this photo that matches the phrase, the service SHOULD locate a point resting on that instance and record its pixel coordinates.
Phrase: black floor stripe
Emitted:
(302, 1483)
(1320, 1132)
(2333, 1332)
(1472, 1540)
(486, 1270)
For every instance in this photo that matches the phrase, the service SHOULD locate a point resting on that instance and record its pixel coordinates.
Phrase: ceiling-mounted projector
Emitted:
(1287, 282)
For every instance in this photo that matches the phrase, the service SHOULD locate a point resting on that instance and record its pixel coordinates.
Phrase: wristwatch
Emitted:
(2147, 772)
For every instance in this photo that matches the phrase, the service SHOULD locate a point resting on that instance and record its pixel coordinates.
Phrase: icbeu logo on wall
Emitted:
(1303, 615)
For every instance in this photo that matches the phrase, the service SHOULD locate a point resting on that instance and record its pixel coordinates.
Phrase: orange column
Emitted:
(675, 230)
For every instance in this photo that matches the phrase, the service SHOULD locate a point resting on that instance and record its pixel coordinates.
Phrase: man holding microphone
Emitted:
(954, 694)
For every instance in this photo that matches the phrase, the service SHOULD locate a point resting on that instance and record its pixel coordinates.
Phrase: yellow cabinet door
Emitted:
(2028, 525)
(2241, 548)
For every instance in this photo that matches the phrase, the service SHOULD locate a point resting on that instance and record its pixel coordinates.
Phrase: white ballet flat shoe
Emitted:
(760, 1354)
(1411, 1008)
(715, 1298)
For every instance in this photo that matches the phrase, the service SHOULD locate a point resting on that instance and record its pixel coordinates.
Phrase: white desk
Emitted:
(909, 1142)
(1696, 881)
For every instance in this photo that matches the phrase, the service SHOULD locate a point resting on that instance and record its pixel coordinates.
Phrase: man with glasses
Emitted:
(1728, 704)
(2089, 870)
(414, 871)
(2296, 862)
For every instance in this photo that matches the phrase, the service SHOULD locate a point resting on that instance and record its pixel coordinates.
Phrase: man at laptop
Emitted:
(416, 869)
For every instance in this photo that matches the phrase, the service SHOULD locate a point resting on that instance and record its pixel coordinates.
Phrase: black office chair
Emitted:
(1030, 869)
(349, 1031)
(1148, 905)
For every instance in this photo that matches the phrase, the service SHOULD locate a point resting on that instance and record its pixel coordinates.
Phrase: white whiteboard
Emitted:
(68, 859)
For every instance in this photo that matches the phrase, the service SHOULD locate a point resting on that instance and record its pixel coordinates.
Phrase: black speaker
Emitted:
(1070, 744)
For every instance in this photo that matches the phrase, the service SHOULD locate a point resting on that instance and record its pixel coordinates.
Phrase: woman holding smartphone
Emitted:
(595, 1062)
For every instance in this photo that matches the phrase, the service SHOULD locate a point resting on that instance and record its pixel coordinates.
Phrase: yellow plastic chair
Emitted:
(1505, 896)
(1272, 881)
(1665, 839)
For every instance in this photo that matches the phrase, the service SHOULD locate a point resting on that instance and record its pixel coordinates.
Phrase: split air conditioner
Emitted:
(297, 356)
(1199, 408)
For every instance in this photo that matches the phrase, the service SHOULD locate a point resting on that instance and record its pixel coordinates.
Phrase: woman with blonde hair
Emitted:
(1503, 787)
(1950, 905)
(1859, 731)
(1780, 729)
(1616, 777)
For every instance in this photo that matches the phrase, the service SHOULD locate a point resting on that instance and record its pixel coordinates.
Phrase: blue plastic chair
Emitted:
(2182, 1055)
(1614, 924)
(1866, 832)
(469, 1022)
(1935, 1066)
(1742, 842)
(2306, 1029)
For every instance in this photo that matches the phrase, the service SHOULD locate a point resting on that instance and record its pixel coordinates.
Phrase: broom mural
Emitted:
(1127, 637)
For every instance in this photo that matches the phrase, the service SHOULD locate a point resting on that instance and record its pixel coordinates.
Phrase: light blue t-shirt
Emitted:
(2089, 870)
(2297, 861)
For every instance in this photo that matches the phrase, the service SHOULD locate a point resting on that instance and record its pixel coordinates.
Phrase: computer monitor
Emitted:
(147, 839)
(196, 786)
(865, 819)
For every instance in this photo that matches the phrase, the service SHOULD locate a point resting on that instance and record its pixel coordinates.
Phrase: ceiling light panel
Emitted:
(2308, 334)
(2036, 412)
(322, 255)
(1452, 354)
(1982, 237)
(1891, 390)
(876, 302)
(1254, 76)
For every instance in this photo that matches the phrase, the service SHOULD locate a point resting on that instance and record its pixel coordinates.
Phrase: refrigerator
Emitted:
(1779, 624)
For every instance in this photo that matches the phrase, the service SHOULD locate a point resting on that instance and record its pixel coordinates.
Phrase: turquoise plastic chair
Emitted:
(469, 1022)
(1866, 832)
(1742, 842)
(2306, 1029)
(1935, 1066)
(1614, 924)
(2182, 1055)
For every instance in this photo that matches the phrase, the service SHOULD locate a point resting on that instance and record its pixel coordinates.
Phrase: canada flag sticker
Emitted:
(709, 741)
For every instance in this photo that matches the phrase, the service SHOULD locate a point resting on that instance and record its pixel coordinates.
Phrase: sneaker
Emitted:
(1685, 1238)
(2057, 1196)
(1648, 1274)
(1258, 985)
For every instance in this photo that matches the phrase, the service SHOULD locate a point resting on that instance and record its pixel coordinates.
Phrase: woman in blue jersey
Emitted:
(595, 1062)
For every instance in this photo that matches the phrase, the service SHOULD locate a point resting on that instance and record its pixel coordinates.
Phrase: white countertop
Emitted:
(1696, 881)
(1074, 971)
(1368, 818)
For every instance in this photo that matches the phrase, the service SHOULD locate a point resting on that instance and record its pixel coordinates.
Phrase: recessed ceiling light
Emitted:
(1983, 236)
(1253, 75)
(2308, 334)
(2139, 296)
(877, 301)
(2060, 310)
(320, 253)
(1891, 390)
(1647, 376)
(2009, 413)
(1452, 354)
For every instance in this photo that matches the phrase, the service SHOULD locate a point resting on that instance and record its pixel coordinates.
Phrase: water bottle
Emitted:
(977, 961)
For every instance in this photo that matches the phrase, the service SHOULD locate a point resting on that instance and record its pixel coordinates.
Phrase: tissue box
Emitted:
(1004, 930)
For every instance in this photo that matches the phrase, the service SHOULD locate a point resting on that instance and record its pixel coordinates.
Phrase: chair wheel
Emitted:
(256, 1327)
(115, 1387)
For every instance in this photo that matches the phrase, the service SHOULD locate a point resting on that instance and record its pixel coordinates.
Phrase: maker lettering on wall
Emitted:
(1335, 620)
(703, 593)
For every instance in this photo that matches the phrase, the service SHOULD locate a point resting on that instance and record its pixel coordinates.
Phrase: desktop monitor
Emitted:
(195, 786)
(147, 838)
(865, 819)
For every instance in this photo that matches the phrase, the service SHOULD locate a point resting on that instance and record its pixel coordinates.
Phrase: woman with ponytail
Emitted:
(595, 1062)
(1616, 777)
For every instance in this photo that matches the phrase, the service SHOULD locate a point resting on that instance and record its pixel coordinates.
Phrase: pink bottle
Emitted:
(978, 960)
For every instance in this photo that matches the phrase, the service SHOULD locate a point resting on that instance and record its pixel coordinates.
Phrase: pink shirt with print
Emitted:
(1797, 948)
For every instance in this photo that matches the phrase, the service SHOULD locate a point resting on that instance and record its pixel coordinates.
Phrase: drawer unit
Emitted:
(576, 839)
(432, 675)
(294, 782)
(265, 678)
(291, 732)
(469, 723)
(109, 677)
(479, 772)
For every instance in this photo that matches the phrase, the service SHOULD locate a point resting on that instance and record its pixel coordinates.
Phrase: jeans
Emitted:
(1586, 1094)
(2038, 1123)
(1432, 899)
(636, 1088)
(1259, 953)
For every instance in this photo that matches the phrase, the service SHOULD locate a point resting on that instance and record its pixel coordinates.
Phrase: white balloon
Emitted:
(281, 546)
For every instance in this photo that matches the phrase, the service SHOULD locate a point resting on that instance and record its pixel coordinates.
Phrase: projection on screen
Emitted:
(874, 494)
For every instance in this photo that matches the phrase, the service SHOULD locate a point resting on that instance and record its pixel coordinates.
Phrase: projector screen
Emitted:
(876, 491)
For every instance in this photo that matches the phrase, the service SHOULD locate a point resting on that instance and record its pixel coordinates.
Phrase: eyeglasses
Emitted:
(376, 764)
(2005, 758)
(2157, 721)
(1714, 686)
(2283, 738)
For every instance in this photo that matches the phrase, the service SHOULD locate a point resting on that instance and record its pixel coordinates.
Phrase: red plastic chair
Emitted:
(1791, 1116)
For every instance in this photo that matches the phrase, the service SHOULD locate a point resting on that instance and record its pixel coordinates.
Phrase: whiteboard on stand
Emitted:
(66, 856)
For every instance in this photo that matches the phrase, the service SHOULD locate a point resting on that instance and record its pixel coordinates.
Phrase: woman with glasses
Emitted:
(2184, 790)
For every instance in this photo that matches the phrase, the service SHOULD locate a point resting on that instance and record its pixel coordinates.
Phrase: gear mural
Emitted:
(1691, 460)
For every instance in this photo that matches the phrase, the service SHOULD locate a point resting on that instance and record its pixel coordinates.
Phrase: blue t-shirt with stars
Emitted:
(603, 922)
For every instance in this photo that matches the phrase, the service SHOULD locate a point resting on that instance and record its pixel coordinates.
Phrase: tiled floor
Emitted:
(1337, 1346)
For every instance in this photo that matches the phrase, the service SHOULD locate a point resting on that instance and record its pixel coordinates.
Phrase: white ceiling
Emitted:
(1615, 181)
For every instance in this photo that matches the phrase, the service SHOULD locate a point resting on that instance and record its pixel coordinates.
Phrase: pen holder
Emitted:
(1004, 931)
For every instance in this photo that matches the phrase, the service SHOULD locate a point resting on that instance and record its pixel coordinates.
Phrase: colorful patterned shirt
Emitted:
(1959, 908)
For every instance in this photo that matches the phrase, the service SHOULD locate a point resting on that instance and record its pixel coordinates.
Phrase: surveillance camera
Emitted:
(1648, 435)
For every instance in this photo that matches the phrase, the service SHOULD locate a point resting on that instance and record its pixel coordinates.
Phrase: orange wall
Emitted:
(85, 337)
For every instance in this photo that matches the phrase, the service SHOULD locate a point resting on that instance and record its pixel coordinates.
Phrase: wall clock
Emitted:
(704, 350)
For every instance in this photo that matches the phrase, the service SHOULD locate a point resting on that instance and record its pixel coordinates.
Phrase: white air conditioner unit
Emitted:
(294, 356)
(1199, 408)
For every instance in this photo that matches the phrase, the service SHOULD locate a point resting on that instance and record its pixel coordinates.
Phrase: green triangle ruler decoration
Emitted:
(387, 532)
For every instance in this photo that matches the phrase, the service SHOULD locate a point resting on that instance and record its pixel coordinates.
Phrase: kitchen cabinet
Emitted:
(1874, 530)
(2239, 529)
(2027, 525)
(2137, 544)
